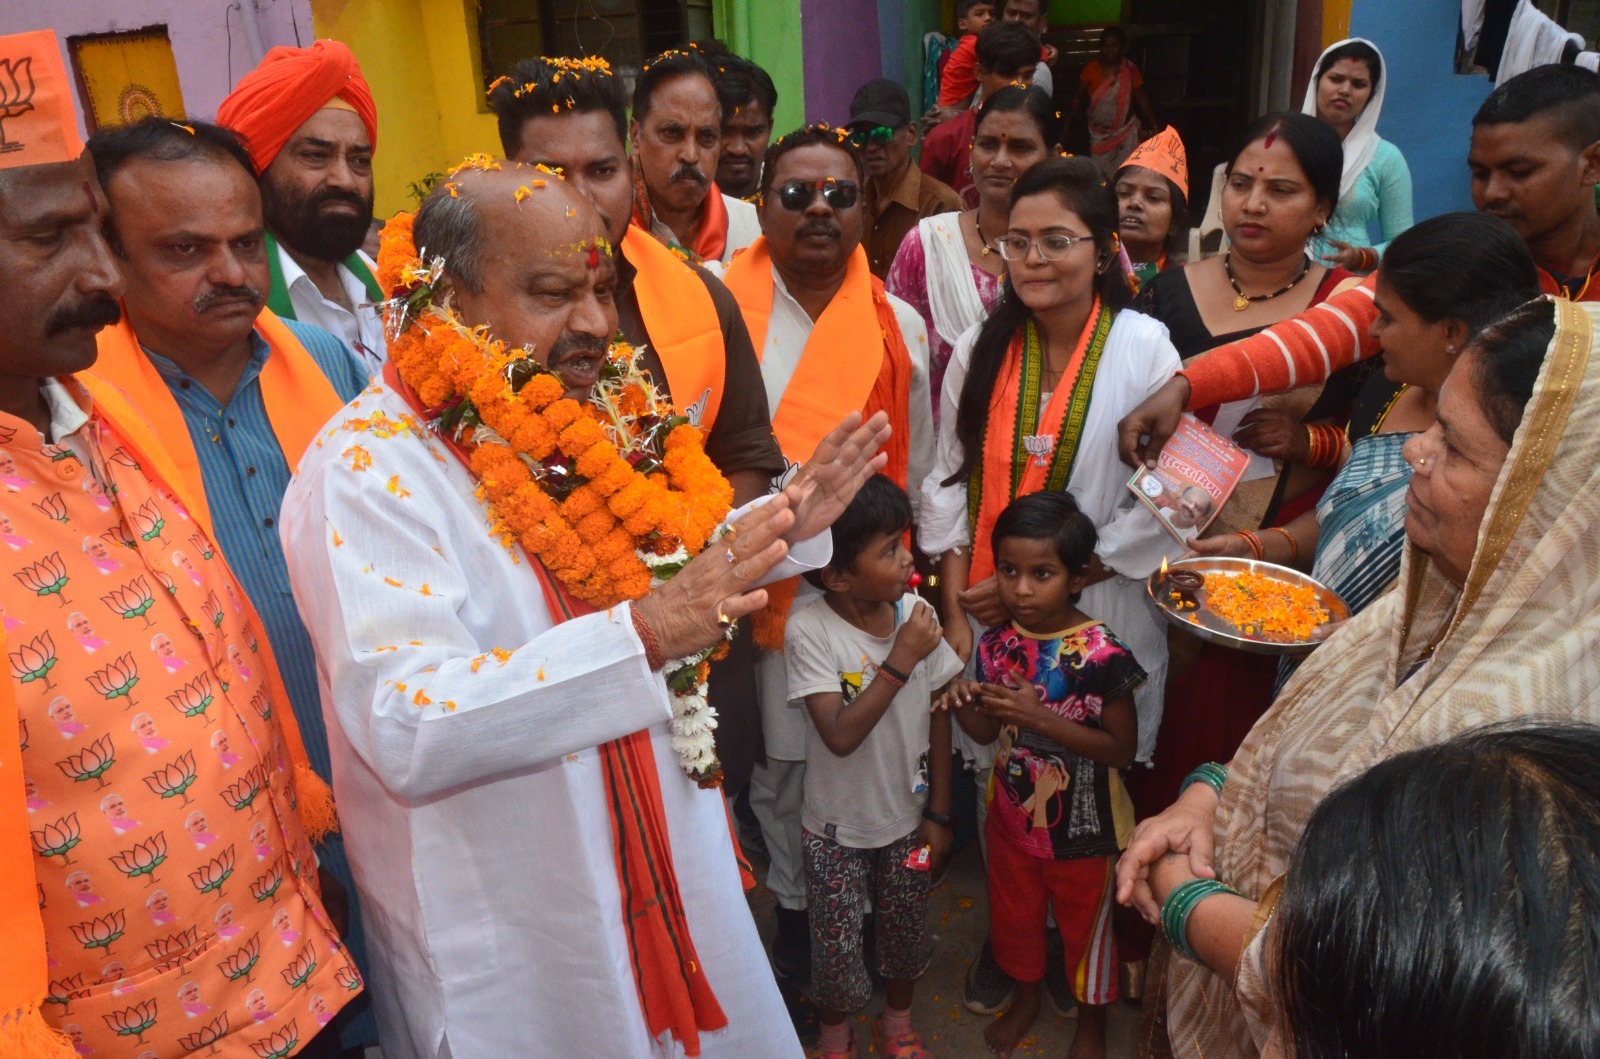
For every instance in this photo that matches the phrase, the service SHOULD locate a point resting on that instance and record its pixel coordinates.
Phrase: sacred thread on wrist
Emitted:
(653, 656)
(893, 675)
(1180, 904)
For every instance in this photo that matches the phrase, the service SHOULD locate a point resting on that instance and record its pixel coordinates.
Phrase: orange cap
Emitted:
(1163, 153)
(38, 124)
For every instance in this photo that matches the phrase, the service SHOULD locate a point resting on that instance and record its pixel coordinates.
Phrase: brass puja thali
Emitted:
(1247, 604)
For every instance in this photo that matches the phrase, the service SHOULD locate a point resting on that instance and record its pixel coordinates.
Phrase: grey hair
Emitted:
(447, 227)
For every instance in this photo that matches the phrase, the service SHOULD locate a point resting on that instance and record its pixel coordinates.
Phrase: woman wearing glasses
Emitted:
(1032, 397)
(947, 268)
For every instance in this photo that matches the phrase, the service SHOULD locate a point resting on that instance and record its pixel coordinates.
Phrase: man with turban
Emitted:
(307, 117)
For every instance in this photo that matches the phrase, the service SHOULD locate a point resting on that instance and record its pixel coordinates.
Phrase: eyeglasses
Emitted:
(1052, 247)
(797, 195)
(878, 136)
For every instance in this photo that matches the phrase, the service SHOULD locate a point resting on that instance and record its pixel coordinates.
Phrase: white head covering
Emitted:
(1362, 143)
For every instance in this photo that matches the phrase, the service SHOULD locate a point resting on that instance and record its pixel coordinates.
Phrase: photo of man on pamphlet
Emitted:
(1194, 477)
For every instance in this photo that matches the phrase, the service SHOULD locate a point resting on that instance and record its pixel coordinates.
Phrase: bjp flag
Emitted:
(37, 121)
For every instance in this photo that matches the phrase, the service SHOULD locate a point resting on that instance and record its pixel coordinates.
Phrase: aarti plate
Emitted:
(1201, 622)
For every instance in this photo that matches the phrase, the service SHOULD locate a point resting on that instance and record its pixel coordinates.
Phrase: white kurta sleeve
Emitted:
(1134, 542)
(943, 524)
(381, 562)
(919, 417)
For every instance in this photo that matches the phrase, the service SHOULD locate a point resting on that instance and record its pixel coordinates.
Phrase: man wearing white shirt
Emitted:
(466, 719)
(830, 341)
(309, 121)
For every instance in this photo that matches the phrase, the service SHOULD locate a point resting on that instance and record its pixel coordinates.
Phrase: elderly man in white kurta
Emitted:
(464, 720)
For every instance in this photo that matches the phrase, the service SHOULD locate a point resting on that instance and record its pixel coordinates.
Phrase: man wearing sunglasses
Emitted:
(898, 193)
(830, 341)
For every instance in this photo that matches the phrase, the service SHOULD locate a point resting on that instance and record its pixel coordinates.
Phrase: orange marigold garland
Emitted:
(612, 495)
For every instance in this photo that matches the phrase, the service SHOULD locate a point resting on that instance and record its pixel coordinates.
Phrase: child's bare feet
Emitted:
(1089, 1042)
(1003, 1034)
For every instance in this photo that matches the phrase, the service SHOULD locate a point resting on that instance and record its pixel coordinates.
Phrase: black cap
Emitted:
(881, 102)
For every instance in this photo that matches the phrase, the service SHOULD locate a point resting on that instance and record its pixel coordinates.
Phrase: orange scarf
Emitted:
(674, 992)
(1006, 470)
(299, 400)
(298, 396)
(710, 228)
(838, 373)
(682, 322)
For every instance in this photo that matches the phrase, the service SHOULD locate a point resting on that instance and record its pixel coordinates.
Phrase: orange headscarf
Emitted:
(291, 84)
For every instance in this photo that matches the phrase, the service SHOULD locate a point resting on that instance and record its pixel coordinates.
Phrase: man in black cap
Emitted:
(898, 193)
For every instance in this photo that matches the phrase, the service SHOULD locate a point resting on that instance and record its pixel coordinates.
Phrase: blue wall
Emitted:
(1428, 107)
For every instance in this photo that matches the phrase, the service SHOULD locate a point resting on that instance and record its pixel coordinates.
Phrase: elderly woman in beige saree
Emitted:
(1496, 616)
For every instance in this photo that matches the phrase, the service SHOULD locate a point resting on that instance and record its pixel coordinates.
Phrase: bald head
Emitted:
(526, 255)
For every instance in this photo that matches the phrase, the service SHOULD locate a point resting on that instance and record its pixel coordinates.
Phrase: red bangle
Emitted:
(647, 636)
(1254, 544)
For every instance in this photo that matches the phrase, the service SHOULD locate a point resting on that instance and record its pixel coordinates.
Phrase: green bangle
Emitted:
(1211, 774)
(1180, 903)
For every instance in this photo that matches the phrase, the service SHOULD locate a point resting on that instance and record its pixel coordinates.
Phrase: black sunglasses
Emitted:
(798, 194)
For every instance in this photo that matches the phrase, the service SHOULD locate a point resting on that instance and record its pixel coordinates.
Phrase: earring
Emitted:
(1450, 349)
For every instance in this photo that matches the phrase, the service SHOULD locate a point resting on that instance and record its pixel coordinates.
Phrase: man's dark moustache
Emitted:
(217, 295)
(687, 173)
(575, 345)
(95, 312)
(830, 230)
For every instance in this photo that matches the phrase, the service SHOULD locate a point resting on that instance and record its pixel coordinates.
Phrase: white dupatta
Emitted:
(1362, 143)
(953, 298)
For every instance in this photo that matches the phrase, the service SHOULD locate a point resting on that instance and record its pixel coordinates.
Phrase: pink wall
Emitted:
(204, 33)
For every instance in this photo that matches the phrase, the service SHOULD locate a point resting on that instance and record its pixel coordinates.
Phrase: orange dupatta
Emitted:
(837, 374)
(1006, 470)
(298, 396)
(299, 400)
(681, 319)
(674, 992)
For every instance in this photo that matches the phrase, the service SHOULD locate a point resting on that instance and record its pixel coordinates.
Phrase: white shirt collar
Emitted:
(67, 416)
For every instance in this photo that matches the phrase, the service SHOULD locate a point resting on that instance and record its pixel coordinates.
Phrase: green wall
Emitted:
(768, 33)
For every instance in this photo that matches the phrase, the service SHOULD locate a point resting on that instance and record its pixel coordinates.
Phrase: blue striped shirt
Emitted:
(245, 474)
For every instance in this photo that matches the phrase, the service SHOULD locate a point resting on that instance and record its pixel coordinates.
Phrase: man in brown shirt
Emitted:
(898, 193)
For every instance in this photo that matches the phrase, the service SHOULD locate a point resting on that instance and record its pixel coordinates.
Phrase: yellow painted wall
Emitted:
(420, 58)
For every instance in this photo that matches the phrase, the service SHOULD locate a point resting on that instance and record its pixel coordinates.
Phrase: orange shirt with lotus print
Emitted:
(176, 883)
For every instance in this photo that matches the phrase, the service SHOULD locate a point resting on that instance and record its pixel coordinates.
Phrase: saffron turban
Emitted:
(291, 84)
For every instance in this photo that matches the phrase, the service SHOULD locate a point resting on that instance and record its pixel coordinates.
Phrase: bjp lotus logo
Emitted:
(62, 993)
(132, 600)
(194, 698)
(143, 859)
(34, 660)
(211, 875)
(132, 1022)
(53, 508)
(101, 931)
(304, 963)
(147, 522)
(207, 1036)
(241, 963)
(91, 763)
(265, 887)
(16, 96)
(57, 839)
(174, 779)
(242, 793)
(173, 945)
(116, 680)
(348, 977)
(280, 1044)
(47, 577)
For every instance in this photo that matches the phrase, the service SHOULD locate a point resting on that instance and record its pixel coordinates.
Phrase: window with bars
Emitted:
(624, 32)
